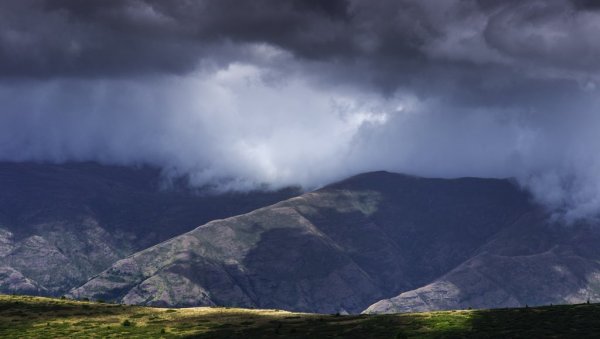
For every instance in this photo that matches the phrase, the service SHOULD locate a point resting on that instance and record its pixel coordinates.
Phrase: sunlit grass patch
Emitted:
(32, 317)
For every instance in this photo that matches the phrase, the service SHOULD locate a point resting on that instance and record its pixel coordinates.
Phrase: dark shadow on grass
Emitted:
(563, 321)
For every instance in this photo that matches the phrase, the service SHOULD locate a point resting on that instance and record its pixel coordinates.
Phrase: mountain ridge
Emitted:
(60, 224)
(359, 227)
(374, 242)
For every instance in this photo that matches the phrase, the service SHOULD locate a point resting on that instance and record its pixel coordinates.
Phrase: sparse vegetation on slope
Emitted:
(62, 224)
(338, 249)
(35, 317)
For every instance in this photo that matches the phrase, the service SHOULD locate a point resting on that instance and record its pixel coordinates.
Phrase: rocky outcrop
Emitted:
(13, 282)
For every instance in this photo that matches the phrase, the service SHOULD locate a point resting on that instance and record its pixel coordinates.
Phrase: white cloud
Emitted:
(250, 123)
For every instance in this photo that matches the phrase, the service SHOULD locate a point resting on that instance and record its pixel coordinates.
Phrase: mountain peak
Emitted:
(337, 249)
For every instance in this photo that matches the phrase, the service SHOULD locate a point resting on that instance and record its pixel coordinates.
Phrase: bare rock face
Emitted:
(62, 224)
(12, 281)
(6, 241)
(167, 288)
(337, 249)
(532, 262)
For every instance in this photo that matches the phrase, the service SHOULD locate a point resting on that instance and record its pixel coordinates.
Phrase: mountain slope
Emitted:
(62, 224)
(533, 262)
(337, 249)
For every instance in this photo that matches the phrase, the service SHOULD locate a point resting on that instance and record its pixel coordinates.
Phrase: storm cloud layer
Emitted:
(242, 93)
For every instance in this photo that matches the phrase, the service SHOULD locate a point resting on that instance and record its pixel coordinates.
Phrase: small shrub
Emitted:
(127, 323)
(100, 301)
(163, 331)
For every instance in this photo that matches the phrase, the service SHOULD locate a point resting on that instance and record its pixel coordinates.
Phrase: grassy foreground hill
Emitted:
(36, 317)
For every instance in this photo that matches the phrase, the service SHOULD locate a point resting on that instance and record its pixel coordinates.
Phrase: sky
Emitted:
(238, 94)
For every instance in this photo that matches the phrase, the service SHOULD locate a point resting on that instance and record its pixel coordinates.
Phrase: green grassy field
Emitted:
(34, 317)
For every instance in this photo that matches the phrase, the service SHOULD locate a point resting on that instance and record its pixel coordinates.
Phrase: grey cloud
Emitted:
(132, 37)
(106, 38)
(551, 33)
(587, 4)
(286, 92)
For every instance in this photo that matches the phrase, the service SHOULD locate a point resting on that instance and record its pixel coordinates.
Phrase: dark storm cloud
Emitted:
(587, 4)
(103, 38)
(116, 37)
(547, 33)
(122, 37)
(307, 91)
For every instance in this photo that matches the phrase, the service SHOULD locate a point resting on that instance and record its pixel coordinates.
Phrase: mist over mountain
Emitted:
(241, 94)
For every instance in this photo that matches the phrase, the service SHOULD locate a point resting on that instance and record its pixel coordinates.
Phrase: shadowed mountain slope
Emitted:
(338, 249)
(62, 224)
(533, 262)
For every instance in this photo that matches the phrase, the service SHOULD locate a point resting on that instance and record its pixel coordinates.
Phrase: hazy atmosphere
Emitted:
(243, 93)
